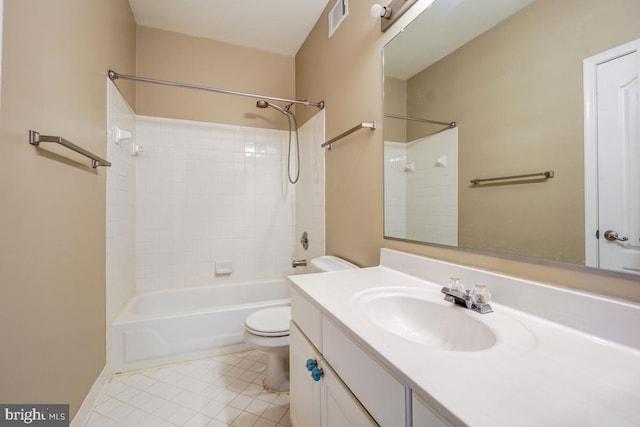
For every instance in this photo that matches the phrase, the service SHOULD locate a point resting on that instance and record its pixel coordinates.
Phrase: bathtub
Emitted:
(177, 325)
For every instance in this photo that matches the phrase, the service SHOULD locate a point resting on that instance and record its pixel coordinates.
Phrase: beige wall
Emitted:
(52, 220)
(346, 72)
(395, 102)
(177, 57)
(521, 112)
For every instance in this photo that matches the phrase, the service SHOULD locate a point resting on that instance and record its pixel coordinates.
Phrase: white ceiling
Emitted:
(279, 26)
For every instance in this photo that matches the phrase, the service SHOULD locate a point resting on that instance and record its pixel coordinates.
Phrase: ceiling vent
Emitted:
(337, 14)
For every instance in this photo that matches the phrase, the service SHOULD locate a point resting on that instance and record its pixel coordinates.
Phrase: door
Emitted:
(339, 407)
(304, 393)
(323, 401)
(617, 163)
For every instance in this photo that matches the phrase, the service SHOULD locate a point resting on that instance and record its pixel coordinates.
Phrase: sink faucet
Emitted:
(476, 300)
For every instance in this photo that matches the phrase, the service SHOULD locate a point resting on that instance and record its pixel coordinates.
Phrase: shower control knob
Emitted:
(317, 374)
(311, 364)
(304, 241)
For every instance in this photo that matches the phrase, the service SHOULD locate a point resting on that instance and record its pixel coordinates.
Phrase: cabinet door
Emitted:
(423, 416)
(339, 407)
(304, 391)
(369, 381)
(323, 403)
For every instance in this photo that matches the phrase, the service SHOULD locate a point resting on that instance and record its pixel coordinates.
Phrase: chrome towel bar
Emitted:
(35, 139)
(368, 125)
(448, 125)
(416, 119)
(545, 175)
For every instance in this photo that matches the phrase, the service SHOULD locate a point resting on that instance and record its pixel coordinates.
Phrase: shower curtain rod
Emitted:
(114, 76)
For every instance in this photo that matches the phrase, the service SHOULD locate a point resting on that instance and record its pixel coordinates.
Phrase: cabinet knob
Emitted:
(316, 374)
(311, 364)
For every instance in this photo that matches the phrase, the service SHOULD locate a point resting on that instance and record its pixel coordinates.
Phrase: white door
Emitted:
(321, 402)
(304, 391)
(339, 407)
(618, 164)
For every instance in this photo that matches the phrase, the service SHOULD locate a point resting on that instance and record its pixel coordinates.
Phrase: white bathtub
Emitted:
(176, 325)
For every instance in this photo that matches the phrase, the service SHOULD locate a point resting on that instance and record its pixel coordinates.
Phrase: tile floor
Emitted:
(220, 391)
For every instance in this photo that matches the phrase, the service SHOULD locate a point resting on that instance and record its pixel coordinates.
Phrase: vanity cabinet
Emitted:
(304, 400)
(423, 416)
(354, 390)
(373, 330)
(375, 387)
(323, 401)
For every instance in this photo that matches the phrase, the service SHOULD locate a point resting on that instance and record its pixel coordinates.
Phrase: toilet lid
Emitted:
(270, 322)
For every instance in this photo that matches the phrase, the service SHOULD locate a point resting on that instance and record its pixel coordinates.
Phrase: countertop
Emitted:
(538, 373)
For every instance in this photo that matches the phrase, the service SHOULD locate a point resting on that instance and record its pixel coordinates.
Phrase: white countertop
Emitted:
(538, 373)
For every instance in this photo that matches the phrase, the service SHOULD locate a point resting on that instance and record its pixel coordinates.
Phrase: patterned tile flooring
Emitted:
(219, 391)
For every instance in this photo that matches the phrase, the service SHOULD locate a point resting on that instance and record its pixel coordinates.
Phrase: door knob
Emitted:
(612, 236)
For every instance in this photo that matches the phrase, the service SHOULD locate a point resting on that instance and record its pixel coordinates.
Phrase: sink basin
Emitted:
(416, 316)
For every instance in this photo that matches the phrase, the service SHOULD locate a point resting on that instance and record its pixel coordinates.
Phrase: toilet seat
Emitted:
(271, 322)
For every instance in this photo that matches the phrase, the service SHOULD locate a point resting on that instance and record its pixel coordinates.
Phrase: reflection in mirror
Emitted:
(510, 74)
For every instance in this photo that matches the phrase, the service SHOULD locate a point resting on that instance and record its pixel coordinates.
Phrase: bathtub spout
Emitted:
(299, 263)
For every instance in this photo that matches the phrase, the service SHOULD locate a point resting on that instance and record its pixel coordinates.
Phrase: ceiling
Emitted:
(279, 26)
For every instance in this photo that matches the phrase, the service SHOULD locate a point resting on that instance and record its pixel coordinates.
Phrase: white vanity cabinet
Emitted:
(425, 417)
(323, 401)
(373, 328)
(353, 390)
(304, 393)
(382, 395)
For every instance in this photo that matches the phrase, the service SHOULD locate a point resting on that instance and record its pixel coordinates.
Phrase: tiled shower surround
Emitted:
(211, 193)
(202, 193)
(121, 203)
(416, 174)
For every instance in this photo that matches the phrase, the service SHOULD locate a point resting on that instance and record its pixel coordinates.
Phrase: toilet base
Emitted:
(276, 379)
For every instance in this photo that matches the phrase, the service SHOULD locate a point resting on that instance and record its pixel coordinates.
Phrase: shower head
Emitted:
(264, 104)
(293, 127)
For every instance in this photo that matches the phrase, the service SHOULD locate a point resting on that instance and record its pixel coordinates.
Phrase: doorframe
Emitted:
(590, 66)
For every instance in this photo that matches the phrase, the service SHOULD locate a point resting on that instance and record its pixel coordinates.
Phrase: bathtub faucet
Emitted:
(299, 263)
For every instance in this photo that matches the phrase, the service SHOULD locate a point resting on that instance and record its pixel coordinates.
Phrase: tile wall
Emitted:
(211, 193)
(202, 193)
(121, 201)
(309, 191)
(395, 189)
(421, 188)
(432, 188)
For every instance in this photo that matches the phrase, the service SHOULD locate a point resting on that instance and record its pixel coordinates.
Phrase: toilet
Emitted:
(268, 330)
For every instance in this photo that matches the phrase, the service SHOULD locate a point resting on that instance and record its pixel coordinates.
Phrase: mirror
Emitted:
(510, 74)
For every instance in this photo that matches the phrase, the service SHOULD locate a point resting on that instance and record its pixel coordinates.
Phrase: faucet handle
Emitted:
(480, 294)
(455, 284)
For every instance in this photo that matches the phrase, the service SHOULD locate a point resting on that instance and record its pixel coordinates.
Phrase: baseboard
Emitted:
(82, 416)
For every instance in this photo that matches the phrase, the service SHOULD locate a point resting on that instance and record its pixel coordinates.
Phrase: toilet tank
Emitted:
(330, 263)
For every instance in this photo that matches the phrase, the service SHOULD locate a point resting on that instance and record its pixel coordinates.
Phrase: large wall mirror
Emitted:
(511, 126)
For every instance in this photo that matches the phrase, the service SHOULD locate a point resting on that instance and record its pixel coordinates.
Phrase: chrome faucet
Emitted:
(299, 263)
(476, 299)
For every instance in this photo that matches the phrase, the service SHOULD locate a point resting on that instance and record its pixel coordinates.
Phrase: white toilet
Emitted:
(268, 330)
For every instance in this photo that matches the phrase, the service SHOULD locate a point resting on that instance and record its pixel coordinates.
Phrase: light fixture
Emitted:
(378, 11)
(390, 13)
